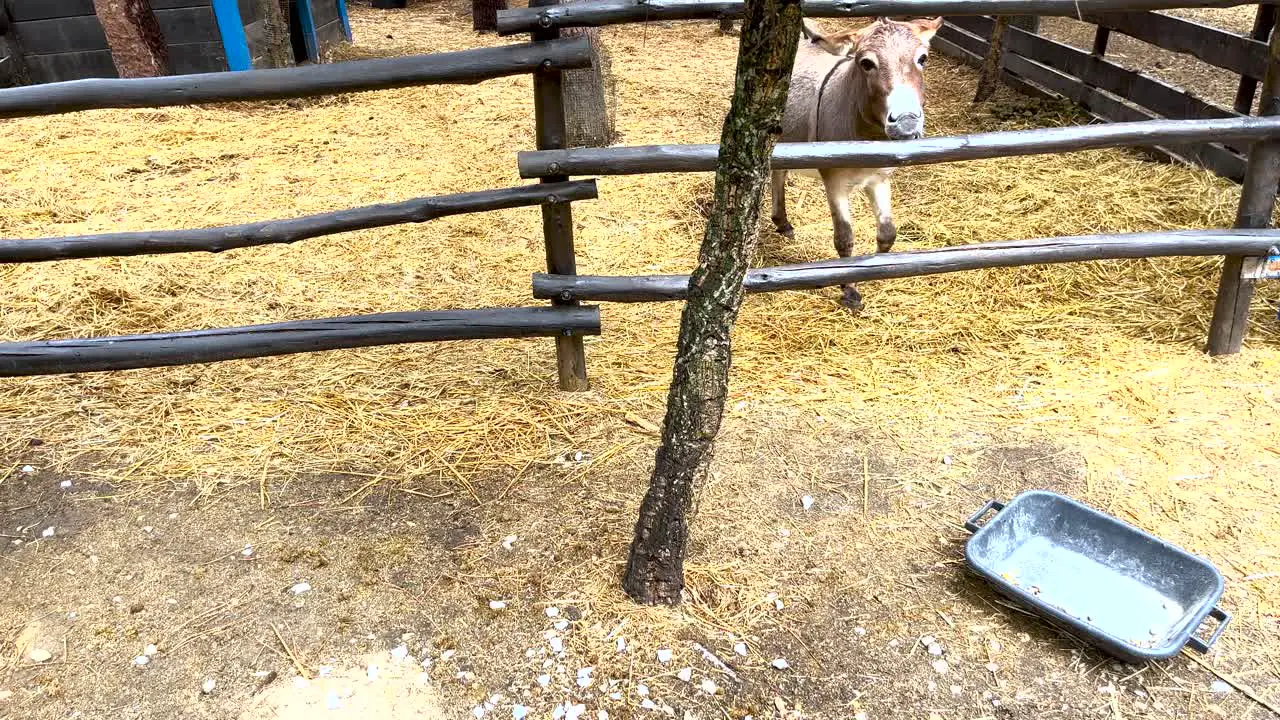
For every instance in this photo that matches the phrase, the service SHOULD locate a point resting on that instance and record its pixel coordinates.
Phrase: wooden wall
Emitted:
(329, 30)
(63, 40)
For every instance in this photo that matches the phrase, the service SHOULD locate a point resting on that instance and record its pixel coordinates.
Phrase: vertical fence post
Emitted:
(557, 218)
(1262, 24)
(1257, 203)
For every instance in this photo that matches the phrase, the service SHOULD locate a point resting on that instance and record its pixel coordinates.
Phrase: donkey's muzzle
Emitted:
(907, 126)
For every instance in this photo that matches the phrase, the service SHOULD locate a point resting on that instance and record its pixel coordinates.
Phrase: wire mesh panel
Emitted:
(590, 96)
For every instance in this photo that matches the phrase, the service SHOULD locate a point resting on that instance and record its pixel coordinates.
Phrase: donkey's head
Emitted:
(889, 58)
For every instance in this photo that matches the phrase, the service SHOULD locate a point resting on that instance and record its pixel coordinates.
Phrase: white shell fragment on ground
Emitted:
(553, 611)
(518, 712)
(208, 686)
(708, 686)
(40, 655)
(141, 660)
(27, 469)
(806, 502)
(48, 532)
(561, 625)
(400, 652)
(941, 666)
(544, 680)
(859, 631)
(497, 605)
(622, 645)
(300, 588)
(1218, 686)
(508, 542)
(935, 649)
(664, 655)
(642, 690)
(740, 648)
(65, 484)
(584, 677)
(685, 674)
(557, 645)
(150, 650)
(446, 654)
(780, 664)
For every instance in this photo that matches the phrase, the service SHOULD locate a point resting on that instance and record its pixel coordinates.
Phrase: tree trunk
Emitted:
(588, 116)
(277, 44)
(989, 80)
(137, 46)
(695, 403)
(484, 14)
(14, 63)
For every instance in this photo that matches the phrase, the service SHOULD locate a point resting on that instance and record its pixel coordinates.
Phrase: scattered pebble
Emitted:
(893, 643)
(784, 532)
(806, 502)
(553, 611)
(507, 542)
(247, 551)
(946, 459)
(27, 469)
(447, 654)
(928, 640)
(860, 715)
(573, 712)
(664, 655)
(497, 605)
(941, 666)
(994, 645)
(1218, 686)
(935, 649)
(956, 690)
(780, 664)
(648, 704)
(518, 712)
(859, 631)
(399, 652)
(622, 645)
(141, 660)
(65, 484)
(478, 711)
(740, 648)
(685, 674)
(642, 690)
(40, 655)
(300, 588)
(602, 715)
(584, 677)
(48, 532)
(557, 645)
(992, 667)
(207, 686)
(561, 625)
(148, 529)
(150, 650)
(708, 686)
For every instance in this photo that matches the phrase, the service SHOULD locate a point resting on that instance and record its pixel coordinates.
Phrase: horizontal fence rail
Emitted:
(594, 13)
(885, 266)
(230, 237)
(55, 357)
(465, 66)
(892, 153)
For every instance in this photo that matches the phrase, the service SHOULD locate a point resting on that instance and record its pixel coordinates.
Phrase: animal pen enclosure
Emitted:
(553, 165)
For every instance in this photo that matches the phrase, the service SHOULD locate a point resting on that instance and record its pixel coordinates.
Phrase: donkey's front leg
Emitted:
(837, 184)
(779, 196)
(877, 190)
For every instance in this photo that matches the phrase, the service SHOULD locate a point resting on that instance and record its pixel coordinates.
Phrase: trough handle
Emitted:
(972, 523)
(1223, 617)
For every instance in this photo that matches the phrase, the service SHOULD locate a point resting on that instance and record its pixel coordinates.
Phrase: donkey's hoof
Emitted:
(785, 229)
(884, 247)
(851, 299)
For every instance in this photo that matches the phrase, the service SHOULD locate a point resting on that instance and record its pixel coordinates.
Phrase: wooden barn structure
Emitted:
(59, 40)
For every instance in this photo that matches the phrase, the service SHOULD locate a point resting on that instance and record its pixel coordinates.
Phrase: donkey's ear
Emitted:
(926, 28)
(839, 43)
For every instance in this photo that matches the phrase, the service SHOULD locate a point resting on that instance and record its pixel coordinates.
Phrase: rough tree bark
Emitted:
(484, 14)
(695, 403)
(989, 80)
(137, 46)
(278, 50)
(588, 120)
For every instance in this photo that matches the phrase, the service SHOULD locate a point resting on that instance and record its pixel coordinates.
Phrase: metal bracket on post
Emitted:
(1257, 203)
(557, 218)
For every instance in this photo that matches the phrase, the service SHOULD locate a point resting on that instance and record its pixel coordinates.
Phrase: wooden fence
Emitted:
(553, 164)
(201, 346)
(1035, 64)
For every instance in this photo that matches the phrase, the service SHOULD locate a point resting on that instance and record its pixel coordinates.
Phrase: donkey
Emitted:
(865, 84)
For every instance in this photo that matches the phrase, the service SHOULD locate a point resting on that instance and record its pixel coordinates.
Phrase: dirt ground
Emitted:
(435, 531)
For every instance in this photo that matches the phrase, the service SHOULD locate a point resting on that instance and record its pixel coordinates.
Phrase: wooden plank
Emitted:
(71, 66)
(459, 67)
(1263, 22)
(63, 35)
(56, 357)
(291, 230)
(198, 58)
(173, 4)
(596, 13)
(256, 37)
(1240, 55)
(954, 42)
(918, 263)
(23, 10)
(183, 26)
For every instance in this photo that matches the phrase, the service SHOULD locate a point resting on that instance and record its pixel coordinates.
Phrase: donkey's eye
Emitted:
(867, 64)
(922, 60)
